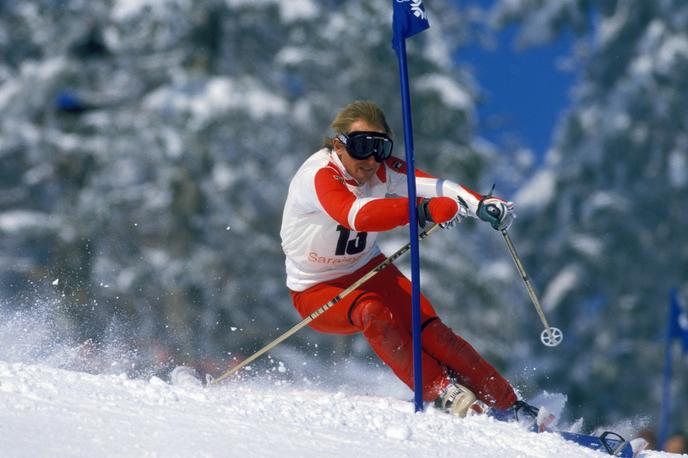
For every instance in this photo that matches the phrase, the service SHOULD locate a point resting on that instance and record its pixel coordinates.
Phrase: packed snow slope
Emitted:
(46, 411)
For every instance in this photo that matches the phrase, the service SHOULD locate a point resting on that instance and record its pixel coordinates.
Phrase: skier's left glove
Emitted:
(444, 211)
(498, 212)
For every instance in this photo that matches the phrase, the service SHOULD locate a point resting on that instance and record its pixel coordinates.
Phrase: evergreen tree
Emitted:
(147, 149)
(605, 218)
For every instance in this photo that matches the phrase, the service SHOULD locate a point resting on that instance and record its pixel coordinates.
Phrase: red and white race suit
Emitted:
(330, 223)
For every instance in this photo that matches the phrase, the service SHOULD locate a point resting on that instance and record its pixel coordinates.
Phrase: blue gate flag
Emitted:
(409, 19)
(678, 322)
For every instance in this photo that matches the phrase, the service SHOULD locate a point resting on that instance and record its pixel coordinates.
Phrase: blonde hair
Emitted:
(366, 110)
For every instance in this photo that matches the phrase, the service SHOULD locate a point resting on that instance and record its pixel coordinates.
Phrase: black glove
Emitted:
(424, 213)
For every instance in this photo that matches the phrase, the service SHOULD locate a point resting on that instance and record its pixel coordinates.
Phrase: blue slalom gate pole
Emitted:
(413, 229)
(409, 18)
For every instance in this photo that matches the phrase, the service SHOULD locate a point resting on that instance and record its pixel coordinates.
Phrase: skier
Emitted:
(337, 203)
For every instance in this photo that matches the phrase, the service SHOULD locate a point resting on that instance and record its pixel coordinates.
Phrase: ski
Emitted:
(608, 442)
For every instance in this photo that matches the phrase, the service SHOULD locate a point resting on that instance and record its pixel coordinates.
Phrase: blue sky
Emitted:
(524, 92)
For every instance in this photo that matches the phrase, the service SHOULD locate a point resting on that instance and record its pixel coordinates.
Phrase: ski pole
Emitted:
(551, 336)
(325, 307)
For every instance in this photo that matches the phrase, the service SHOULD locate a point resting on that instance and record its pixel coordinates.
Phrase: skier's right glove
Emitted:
(498, 212)
(441, 210)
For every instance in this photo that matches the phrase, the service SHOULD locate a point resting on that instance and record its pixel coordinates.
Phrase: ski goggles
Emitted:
(362, 145)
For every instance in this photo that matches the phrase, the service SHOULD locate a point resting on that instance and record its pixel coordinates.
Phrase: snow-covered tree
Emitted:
(602, 225)
(147, 147)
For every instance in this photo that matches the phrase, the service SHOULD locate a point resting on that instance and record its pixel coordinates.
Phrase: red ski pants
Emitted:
(381, 309)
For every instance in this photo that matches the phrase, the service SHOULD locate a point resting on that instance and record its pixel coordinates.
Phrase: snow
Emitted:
(452, 94)
(294, 406)
(606, 201)
(290, 10)
(537, 26)
(678, 169)
(589, 246)
(291, 55)
(79, 414)
(204, 100)
(123, 9)
(559, 287)
(294, 10)
(538, 192)
(45, 411)
(612, 26)
(21, 220)
(659, 50)
(683, 321)
(673, 48)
